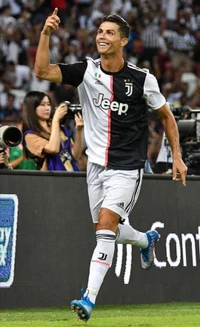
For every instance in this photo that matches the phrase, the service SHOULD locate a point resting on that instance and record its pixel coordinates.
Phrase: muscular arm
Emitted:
(171, 130)
(43, 69)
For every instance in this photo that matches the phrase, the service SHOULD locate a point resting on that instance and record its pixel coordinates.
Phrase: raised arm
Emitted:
(43, 68)
(171, 130)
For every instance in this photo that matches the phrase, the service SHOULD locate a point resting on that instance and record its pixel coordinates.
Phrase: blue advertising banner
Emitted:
(8, 232)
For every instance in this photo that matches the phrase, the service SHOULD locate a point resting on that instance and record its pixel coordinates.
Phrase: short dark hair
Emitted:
(124, 26)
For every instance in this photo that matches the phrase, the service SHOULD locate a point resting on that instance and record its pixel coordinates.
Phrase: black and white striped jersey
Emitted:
(181, 43)
(115, 107)
(151, 36)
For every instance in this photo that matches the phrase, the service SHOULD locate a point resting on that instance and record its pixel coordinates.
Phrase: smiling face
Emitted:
(109, 41)
(44, 109)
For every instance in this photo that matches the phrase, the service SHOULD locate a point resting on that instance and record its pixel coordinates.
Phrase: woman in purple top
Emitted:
(46, 139)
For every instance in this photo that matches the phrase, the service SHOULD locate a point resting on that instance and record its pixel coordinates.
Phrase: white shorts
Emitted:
(116, 190)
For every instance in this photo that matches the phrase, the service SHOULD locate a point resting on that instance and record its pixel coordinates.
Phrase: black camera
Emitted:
(10, 136)
(73, 109)
(188, 122)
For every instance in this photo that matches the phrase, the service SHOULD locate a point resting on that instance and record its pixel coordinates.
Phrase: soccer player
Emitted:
(115, 96)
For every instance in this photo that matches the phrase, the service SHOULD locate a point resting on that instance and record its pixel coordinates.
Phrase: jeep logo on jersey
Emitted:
(106, 104)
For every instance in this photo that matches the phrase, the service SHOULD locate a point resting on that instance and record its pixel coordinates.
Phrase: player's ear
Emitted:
(124, 42)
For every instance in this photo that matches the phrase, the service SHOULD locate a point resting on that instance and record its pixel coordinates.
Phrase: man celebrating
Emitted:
(115, 96)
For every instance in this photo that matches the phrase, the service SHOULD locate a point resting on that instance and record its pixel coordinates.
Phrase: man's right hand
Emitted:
(52, 23)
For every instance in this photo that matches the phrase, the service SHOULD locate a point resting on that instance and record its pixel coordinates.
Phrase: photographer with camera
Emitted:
(47, 140)
(10, 137)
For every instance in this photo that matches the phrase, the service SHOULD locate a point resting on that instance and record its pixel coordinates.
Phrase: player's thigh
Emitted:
(95, 193)
(95, 189)
(121, 190)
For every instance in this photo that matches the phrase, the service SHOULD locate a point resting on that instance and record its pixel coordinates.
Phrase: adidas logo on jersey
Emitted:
(121, 205)
(98, 82)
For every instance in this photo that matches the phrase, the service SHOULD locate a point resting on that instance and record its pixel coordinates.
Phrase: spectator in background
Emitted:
(195, 17)
(48, 140)
(18, 75)
(171, 9)
(181, 45)
(123, 8)
(15, 7)
(9, 103)
(73, 54)
(175, 90)
(7, 20)
(151, 36)
(86, 14)
(103, 6)
(17, 48)
(10, 112)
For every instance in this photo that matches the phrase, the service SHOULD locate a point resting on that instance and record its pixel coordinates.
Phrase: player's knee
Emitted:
(108, 220)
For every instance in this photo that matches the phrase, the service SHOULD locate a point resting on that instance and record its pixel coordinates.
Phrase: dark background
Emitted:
(55, 241)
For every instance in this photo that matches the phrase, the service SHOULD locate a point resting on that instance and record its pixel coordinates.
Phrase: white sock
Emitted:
(126, 234)
(100, 263)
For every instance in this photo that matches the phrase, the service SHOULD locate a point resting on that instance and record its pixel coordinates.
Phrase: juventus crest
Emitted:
(129, 87)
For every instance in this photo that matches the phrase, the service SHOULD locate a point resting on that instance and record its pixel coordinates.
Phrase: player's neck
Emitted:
(112, 64)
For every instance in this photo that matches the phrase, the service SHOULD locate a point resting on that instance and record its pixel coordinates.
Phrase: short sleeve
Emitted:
(72, 74)
(152, 95)
(35, 144)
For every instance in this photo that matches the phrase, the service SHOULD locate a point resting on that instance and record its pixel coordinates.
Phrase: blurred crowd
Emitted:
(165, 38)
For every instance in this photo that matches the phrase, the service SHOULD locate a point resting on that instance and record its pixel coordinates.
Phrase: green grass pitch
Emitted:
(148, 315)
